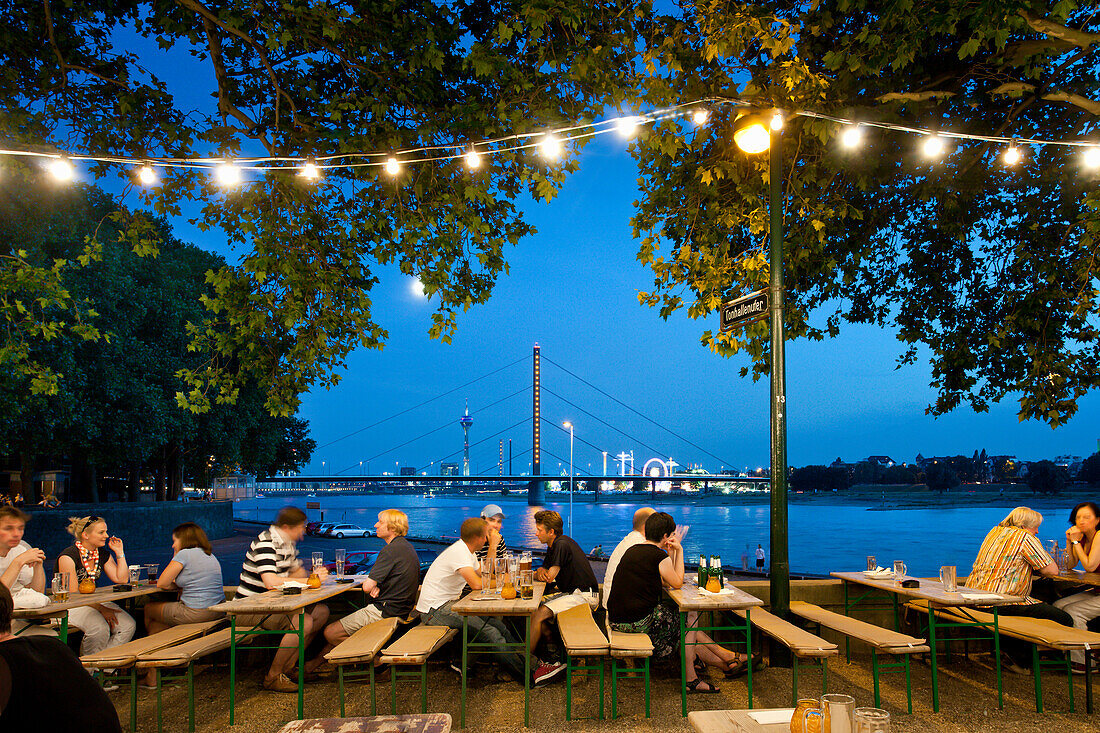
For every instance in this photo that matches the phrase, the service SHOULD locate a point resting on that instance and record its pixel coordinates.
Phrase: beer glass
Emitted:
(871, 563)
(60, 587)
(151, 572)
(341, 558)
(839, 710)
(872, 720)
(526, 585)
(500, 572)
(135, 574)
(486, 574)
(899, 569)
(318, 560)
(949, 578)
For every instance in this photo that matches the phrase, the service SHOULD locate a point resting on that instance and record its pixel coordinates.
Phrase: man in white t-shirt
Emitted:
(454, 569)
(636, 537)
(21, 566)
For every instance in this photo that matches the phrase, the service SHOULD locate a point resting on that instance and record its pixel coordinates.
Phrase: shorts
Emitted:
(760, 562)
(178, 613)
(364, 616)
(566, 601)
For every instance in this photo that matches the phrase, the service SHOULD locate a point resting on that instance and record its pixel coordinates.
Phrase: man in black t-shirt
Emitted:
(567, 567)
(44, 688)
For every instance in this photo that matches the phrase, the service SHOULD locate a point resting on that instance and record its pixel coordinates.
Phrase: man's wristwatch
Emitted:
(1075, 542)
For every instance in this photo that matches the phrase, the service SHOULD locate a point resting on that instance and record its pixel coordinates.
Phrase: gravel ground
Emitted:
(967, 695)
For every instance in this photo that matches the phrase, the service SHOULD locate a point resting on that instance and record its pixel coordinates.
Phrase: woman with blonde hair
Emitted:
(104, 624)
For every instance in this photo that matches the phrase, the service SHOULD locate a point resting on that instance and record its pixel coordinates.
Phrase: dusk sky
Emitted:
(573, 289)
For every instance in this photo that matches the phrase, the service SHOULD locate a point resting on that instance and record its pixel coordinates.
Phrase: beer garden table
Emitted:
(421, 723)
(486, 603)
(271, 603)
(60, 610)
(689, 599)
(932, 591)
(1079, 576)
(739, 721)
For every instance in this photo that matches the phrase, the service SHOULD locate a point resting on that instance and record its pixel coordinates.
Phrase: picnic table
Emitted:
(486, 603)
(931, 590)
(422, 723)
(271, 603)
(688, 598)
(106, 594)
(740, 721)
(1080, 577)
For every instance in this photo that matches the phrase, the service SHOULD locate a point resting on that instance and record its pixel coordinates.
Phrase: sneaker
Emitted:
(457, 667)
(547, 671)
(281, 683)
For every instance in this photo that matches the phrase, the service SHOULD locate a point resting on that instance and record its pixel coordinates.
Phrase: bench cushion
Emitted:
(364, 644)
(417, 644)
(892, 642)
(801, 642)
(580, 634)
(185, 653)
(624, 644)
(126, 654)
(1043, 631)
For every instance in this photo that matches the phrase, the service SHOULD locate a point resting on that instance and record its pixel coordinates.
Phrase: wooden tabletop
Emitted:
(76, 600)
(735, 721)
(1079, 576)
(273, 601)
(930, 590)
(480, 603)
(688, 598)
(423, 723)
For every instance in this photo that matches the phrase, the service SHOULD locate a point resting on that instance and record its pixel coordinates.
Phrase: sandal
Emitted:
(742, 667)
(693, 688)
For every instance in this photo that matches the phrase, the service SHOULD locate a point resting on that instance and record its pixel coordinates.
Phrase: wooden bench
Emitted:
(879, 639)
(628, 646)
(1038, 632)
(125, 656)
(802, 643)
(183, 655)
(362, 646)
(582, 638)
(414, 649)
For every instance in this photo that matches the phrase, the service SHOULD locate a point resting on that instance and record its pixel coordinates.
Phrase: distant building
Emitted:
(408, 470)
(880, 460)
(448, 469)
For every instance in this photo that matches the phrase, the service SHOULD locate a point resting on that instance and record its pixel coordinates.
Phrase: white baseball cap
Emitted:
(492, 510)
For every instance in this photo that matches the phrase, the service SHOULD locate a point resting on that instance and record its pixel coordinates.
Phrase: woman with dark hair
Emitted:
(1081, 542)
(197, 575)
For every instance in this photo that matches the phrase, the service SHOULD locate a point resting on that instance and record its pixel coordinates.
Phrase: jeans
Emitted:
(1081, 607)
(1018, 650)
(488, 629)
(98, 634)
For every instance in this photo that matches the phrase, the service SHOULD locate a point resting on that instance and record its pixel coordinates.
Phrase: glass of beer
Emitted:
(151, 572)
(135, 574)
(60, 587)
(341, 560)
(318, 560)
(526, 585)
(525, 561)
(487, 575)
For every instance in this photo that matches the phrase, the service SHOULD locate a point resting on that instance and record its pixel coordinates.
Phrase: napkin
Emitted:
(981, 596)
(294, 584)
(723, 592)
(879, 572)
(772, 717)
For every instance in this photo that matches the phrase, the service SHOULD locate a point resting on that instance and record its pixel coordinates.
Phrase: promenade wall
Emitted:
(140, 526)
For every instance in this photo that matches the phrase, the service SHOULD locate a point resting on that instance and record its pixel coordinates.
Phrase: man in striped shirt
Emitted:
(271, 560)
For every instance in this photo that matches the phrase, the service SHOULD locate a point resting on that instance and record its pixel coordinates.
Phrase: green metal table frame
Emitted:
(341, 675)
(234, 634)
(62, 631)
(745, 627)
(472, 647)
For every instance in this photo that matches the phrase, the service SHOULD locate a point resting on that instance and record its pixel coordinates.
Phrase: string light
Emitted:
(61, 169)
(852, 136)
(1092, 157)
(228, 174)
(933, 146)
(392, 166)
(310, 171)
(550, 147)
(473, 159)
(627, 126)
(147, 176)
(700, 117)
(1011, 155)
(777, 121)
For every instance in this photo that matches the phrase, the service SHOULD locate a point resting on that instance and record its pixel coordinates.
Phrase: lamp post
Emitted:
(570, 426)
(755, 133)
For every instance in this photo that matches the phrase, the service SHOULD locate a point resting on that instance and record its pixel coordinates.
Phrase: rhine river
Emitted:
(823, 537)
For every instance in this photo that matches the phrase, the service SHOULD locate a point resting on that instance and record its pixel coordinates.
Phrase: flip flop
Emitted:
(693, 688)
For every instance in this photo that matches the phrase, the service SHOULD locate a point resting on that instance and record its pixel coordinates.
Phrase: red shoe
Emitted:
(546, 672)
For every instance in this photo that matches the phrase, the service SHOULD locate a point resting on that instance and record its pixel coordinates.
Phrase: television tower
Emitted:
(466, 422)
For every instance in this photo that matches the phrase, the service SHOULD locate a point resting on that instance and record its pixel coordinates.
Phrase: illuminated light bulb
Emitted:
(228, 174)
(627, 126)
(147, 176)
(751, 134)
(852, 136)
(310, 171)
(61, 169)
(393, 167)
(550, 147)
(777, 121)
(473, 160)
(933, 146)
(1091, 156)
(1012, 155)
(700, 117)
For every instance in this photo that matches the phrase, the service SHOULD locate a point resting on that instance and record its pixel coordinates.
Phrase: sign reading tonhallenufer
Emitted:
(746, 309)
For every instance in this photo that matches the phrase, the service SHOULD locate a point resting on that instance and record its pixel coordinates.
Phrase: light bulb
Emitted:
(550, 147)
(933, 146)
(393, 167)
(852, 136)
(473, 160)
(61, 169)
(1092, 157)
(228, 174)
(627, 126)
(753, 138)
(146, 175)
(700, 117)
(777, 121)
(310, 171)
(1012, 155)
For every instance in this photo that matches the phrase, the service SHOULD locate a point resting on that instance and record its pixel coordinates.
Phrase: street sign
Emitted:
(746, 309)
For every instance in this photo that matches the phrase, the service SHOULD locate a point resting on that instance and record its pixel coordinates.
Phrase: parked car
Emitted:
(353, 560)
(347, 530)
(320, 528)
(426, 558)
(312, 527)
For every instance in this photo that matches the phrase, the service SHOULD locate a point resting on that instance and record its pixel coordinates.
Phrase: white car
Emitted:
(347, 530)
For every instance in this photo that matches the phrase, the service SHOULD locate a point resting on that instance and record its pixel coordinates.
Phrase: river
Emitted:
(823, 537)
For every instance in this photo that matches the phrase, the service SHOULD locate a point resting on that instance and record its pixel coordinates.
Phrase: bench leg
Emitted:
(232, 666)
(160, 726)
(824, 675)
(1088, 681)
(748, 656)
(393, 689)
(1037, 675)
(614, 688)
(424, 686)
(133, 698)
(932, 648)
(996, 659)
(908, 684)
(874, 675)
(373, 691)
(794, 680)
(190, 697)
(601, 688)
(1069, 677)
(568, 687)
(340, 687)
(647, 687)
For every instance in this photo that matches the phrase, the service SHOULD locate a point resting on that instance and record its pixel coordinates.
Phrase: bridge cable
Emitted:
(488, 437)
(578, 438)
(617, 430)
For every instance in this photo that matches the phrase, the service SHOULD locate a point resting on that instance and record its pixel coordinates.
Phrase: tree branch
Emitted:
(1084, 39)
(62, 64)
(914, 96)
(1089, 105)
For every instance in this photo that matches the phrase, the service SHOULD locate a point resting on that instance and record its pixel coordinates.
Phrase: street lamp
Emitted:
(755, 133)
(570, 426)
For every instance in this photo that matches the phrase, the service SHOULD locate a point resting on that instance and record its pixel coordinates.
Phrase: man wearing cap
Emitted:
(496, 546)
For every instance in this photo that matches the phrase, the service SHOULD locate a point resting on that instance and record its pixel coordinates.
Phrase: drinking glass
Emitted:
(526, 585)
(899, 569)
(318, 560)
(60, 587)
(500, 572)
(487, 574)
(525, 561)
(871, 563)
(949, 578)
(135, 574)
(872, 720)
(341, 557)
(151, 572)
(839, 710)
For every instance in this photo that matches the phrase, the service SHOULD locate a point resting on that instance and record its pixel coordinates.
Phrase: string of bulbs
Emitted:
(549, 144)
